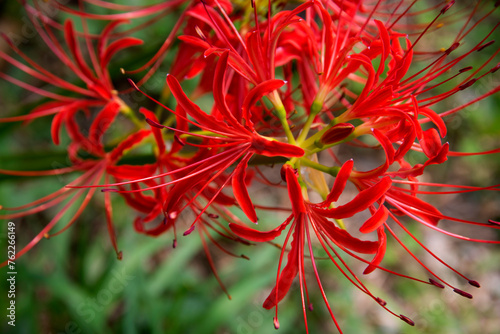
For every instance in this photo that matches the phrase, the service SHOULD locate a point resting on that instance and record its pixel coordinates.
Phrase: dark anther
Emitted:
(189, 230)
(448, 6)
(178, 140)
(436, 283)
(474, 283)
(407, 320)
(482, 47)
(467, 84)
(154, 124)
(465, 69)
(463, 293)
(452, 48)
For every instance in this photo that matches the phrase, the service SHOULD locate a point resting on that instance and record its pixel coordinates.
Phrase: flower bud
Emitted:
(337, 133)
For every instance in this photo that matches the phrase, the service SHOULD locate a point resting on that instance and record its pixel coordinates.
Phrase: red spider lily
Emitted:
(386, 92)
(99, 91)
(286, 87)
(403, 202)
(238, 140)
(95, 172)
(155, 13)
(253, 55)
(259, 49)
(153, 206)
(329, 235)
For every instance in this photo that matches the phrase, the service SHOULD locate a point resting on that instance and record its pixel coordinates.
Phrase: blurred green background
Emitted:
(73, 283)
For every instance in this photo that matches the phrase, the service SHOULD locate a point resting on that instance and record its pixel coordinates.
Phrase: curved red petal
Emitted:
(287, 274)
(377, 219)
(102, 122)
(294, 191)
(116, 46)
(128, 143)
(256, 94)
(382, 241)
(56, 127)
(361, 202)
(218, 91)
(240, 189)
(258, 236)
(273, 148)
(340, 182)
(344, 238)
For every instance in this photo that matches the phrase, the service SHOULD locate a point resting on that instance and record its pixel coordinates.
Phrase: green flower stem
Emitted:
(333, 171)
(318, 147)
(280, 112)
(129, 113)
(329, 170)
(339, 222)
(310, 142)
(315, 109)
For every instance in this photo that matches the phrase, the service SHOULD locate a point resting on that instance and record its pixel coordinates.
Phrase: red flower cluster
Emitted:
(289, 84)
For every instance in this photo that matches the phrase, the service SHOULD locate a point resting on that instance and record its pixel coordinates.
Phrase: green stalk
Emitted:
(280, 112)
(333, 171)
(315, 109)
(129, 113)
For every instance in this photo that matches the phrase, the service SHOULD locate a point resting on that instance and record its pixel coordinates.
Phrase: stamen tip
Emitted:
(436, 283)
(407, 320)
(474, 283)
(191, 229)
(276, 323)
(447, 7)
(119, 255)
(131, 82)
(465, 69)
(482, 47)
(381, 301)
(154, 124)
(178, 140)
(453, 47)
(467, 84)
(462, 293)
